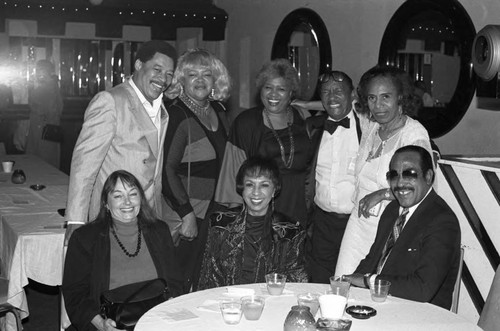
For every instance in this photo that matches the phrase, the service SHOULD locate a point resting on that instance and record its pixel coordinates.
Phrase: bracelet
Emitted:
(366, 279)
(387, 194)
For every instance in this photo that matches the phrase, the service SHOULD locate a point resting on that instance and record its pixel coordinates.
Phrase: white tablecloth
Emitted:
(394, 314)
(31, 232)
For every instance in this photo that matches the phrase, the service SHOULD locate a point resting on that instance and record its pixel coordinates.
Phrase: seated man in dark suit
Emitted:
(417, 247)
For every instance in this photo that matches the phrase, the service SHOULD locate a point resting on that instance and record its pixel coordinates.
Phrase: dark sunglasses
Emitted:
(410, 174)
(335, 75)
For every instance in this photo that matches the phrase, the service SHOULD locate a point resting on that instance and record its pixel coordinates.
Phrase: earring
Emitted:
(212, 94)
(272, 203)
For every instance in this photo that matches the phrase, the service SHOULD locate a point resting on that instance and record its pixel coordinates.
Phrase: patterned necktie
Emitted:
(331, 126)
(393, 236)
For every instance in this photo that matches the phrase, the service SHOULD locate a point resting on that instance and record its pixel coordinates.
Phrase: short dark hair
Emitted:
(257, 166)
(148, 50)
(279, 68)
(426, 162)
(146, 214)
(409, 102)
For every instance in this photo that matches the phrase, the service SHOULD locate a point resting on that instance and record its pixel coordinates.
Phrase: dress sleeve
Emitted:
(175, 144)
(237, 151)
(79, 303)
(93, 143)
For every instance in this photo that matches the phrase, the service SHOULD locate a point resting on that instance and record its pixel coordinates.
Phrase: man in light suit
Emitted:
(124, 128)
(423, 262)
(331, 181)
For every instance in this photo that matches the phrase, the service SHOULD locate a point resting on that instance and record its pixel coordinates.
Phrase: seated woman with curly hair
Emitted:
(244, 246)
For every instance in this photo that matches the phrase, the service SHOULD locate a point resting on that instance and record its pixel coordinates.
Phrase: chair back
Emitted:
(458, 282)
(5, 307)
(490, 316)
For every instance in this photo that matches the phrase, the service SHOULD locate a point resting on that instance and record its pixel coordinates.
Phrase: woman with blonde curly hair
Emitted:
(194, 148)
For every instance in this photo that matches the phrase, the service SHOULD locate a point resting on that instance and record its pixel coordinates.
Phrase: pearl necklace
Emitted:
(123, 247)
(200, 111)
(288, 164)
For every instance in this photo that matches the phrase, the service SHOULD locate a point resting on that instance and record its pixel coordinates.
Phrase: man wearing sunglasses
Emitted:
(336, 135)
(417, 247)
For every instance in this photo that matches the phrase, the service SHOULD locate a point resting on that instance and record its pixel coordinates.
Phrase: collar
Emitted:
(156, 102)
(412, 209)
(349, 116)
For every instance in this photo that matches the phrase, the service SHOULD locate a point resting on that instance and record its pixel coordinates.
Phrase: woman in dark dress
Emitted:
(273, 130)
(243, 246)
(194, 147)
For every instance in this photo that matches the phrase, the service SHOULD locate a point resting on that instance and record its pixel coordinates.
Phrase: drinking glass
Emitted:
(231, 311)
(275, 283)
(380, 290)
(252, 307)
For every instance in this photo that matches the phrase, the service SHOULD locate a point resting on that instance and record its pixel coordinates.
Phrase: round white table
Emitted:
(393, 314)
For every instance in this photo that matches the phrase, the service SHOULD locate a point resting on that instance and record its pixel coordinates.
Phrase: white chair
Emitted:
(490, 316)
(456, 288)
(64, 321)
(5, 307)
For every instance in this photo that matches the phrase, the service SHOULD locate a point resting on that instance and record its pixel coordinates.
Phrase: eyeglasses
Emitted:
(408, 175)
(335, 75)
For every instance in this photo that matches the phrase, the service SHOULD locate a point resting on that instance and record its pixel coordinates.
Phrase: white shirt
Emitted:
(153, 110)
(335, 168)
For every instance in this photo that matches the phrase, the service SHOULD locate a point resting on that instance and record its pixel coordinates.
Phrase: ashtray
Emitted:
(37, 187)
(361, 312)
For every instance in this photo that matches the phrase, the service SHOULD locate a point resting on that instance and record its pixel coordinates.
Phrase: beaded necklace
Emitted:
(288, 164)
(200, 111)
(123, 247)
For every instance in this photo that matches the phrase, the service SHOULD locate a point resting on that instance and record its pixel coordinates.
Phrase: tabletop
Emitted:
(31, 229)
(201, 310)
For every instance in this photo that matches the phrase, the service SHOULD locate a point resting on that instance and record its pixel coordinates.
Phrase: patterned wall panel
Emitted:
(471, 186)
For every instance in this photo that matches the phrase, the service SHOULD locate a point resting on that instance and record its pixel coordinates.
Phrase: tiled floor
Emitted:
(44, 309)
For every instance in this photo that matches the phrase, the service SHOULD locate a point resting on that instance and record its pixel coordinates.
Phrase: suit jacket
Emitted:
(87, 268)
(315, 126)
(117, 133)
(423, 263)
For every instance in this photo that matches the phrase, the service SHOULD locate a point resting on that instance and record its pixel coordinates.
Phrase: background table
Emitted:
(31, 230)
(393, 314)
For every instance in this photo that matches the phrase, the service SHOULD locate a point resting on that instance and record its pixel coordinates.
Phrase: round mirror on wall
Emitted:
(303, 38)
(432, 41)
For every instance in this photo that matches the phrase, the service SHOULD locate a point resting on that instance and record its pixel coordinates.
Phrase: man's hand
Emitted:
(69, 231)
(370, 201)
(355, 279)
(189, 228)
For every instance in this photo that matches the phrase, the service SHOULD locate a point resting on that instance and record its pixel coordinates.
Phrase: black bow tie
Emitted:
(331, 126)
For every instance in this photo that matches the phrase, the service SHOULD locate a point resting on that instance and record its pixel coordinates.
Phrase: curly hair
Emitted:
(409, 102)
(279, 68)
(201, 57)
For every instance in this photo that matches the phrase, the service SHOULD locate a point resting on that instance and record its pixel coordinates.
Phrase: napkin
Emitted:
(210, 305)
(240, 291)
(172, 315)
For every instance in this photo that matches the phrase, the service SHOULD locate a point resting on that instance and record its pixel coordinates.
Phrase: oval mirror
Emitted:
(432, 41)
(302, 38)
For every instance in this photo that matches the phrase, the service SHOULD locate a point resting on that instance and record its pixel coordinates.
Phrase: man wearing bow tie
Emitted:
(336, 136)
(417, 247)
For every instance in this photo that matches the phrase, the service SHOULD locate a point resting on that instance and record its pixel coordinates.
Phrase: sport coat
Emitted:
(423, 263)
(117, 133)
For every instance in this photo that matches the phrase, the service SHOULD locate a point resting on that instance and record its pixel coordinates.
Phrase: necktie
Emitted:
(331, 126)
(393, 236)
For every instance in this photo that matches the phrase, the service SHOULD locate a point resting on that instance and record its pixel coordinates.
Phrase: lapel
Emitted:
(417, 219)
(142, 119)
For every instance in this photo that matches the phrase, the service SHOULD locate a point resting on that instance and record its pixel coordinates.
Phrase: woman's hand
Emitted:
(189, 228)
(371, 200)
(104, 324)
